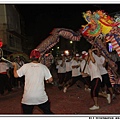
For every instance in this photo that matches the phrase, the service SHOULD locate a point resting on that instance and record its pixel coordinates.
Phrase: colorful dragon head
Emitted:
(98, 22)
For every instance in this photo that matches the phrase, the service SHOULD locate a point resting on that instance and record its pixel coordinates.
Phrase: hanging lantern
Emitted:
(1, 44)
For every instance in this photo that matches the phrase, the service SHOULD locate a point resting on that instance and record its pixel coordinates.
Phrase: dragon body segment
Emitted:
(100, 27)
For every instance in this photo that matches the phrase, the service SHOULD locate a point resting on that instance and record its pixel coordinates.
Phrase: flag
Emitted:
(117, 38)
(115, 41)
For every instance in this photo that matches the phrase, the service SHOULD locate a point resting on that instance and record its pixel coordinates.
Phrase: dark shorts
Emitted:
(95, 87)
(87, 80)
(106, 81)
(45, 107)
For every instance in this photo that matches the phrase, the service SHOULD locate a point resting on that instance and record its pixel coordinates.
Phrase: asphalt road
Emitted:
(76, 101)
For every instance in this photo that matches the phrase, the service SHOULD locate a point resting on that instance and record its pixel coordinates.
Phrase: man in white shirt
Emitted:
(61, 66)
(105, 77)
(76, 75)
(96, 78)
(68, 74)
(84, 68)
(34, 89)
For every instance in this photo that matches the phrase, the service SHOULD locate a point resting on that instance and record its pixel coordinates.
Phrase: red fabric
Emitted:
(1, 44)
(3, 73)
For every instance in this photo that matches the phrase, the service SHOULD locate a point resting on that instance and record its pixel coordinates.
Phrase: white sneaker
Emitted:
(113, 96)
(87, 89)
(94, 107)
(65, 89)
(108, 98)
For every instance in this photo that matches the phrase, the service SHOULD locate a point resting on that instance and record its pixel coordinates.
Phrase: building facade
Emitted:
(10, 31)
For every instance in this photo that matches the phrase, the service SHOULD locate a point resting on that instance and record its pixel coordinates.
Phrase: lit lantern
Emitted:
(66, 52)
(1, 44)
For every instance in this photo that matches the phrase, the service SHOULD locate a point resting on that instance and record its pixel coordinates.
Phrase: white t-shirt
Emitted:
(94, 70)
(82, 65)
(68, 65)
(61, 69)
(75, 71)
(34, 90)
(3, 67)
(100, 61)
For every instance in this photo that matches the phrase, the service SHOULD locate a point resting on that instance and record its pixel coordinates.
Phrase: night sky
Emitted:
(41, 19)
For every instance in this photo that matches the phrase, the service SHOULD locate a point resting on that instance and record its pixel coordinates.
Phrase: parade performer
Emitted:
(34, 91)
(76, 74)
(104, 73)
(61, 67)
(96, 78)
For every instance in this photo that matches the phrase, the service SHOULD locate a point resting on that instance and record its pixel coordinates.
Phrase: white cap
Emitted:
(77, 55)
(62, 54)
(84, 53)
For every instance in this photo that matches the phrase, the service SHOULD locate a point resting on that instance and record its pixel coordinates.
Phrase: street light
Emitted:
(71, 42)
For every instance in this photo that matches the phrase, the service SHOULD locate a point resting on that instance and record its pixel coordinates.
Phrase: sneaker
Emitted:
(94, 107)
(52, 83)
(65, 89)
(108, 98)
(104, 92)
(87, 89)
(113, 96)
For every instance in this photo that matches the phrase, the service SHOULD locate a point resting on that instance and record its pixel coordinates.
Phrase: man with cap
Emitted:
(101, 61)
(76, 75)
(61, 67)
(84, 69)
(34, 89)
(68, 74)
(96, 78)
(19, 80)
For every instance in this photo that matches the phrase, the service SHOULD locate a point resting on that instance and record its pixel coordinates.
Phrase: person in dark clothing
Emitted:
(4, 78)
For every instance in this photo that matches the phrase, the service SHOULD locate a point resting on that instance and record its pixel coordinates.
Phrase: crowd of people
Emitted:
(89, 67)
(29, 76)
(7, 80)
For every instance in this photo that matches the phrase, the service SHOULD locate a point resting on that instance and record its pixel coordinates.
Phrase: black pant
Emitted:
(86, 81)
(68, 76)
(74, 80)
(106, 81)
(61, 77)
(4, 83)
(45, 107)
(95, 87)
